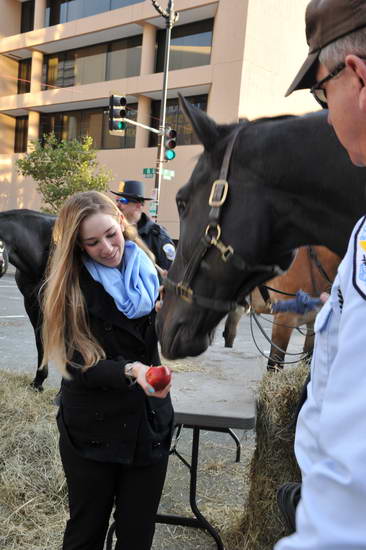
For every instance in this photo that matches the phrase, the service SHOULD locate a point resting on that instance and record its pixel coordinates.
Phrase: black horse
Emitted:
(290, 184)
(27, 236)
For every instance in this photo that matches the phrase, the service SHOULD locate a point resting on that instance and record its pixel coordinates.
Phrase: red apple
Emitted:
(158, 377)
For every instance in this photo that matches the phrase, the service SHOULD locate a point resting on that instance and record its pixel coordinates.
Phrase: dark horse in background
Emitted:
(27, 236)
(290, 184)
(313, 271)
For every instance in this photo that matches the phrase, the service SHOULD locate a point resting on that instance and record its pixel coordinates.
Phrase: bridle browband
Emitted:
(212, 238)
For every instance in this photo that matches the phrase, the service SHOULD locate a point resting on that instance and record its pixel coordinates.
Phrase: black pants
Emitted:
(94, 487)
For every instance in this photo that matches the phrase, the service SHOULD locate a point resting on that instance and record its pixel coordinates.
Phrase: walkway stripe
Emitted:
(12, 316)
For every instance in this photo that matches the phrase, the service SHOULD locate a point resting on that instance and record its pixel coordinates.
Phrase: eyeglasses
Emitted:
(319, 93)
(123, 200)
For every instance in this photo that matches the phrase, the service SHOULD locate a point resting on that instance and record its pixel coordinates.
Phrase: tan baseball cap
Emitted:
(326, 21)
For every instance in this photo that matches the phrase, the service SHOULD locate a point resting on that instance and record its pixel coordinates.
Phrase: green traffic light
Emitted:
(169, 154)
(119, 125)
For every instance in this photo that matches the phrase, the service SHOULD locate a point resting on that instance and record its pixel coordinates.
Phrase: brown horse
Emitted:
(312, 270)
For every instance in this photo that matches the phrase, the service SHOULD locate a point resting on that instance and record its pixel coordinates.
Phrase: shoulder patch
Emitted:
(169, 251)
(359, 260)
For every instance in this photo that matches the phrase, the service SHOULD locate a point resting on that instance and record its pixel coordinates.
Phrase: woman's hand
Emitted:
(139, 372)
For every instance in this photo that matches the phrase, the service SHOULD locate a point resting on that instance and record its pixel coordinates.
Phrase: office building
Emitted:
(61, 59)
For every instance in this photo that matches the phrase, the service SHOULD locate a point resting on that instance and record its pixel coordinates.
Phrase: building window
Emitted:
(89, 65)
(115, 4)
(89, 122)
(109, 61)
(27, 16)
(24, 75)
(62, 11)
(176, 119)
(124, 58)
(21, 134)
(190, 46)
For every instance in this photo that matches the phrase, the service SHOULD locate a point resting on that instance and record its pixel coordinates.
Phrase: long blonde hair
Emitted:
(65, 327)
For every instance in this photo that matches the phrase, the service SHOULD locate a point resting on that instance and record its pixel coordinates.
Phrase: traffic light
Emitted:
(170, 143)
(117, 112)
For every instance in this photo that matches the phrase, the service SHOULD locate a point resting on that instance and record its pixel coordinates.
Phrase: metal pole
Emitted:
(170, 17)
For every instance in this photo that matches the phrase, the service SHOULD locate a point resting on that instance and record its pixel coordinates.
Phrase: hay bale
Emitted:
(33, 495)
(33, 505)
(273, 462)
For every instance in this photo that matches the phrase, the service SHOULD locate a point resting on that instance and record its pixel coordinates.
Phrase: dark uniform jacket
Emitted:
(101, 414)
(156, 238)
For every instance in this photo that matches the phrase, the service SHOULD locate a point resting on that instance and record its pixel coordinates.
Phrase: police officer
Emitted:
(330, 439)
(131, 201)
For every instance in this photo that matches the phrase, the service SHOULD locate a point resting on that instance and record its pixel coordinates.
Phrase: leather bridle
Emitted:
(212, 238)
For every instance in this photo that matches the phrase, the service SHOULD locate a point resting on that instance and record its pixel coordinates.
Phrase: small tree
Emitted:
(61, 168)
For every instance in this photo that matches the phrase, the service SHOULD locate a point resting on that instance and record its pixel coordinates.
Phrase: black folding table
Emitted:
(207, 405)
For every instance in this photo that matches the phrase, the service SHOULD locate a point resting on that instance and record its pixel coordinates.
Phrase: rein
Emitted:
(263, 289)
(300, 354)
(212, 238)
(314, 260)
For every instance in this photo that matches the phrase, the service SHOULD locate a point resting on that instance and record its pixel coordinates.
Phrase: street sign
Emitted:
(117, 132)
(168, 174)
(153, 208)
(149, 172)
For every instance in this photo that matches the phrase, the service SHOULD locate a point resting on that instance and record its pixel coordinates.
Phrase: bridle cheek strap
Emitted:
(211, 238)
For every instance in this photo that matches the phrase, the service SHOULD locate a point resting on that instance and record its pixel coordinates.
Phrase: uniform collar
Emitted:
(144, 224)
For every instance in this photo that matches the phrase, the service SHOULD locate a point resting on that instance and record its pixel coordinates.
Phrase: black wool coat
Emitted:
(103, 416)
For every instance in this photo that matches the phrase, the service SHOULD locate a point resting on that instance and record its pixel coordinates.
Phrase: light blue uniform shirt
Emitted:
(330, 442)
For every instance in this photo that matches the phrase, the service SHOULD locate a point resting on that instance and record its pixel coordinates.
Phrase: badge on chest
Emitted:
(359, 264)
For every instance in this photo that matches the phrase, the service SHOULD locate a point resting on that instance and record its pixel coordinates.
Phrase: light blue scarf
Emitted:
(134, 285)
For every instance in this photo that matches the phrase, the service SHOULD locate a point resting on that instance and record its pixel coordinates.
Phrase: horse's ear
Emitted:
(204, 127)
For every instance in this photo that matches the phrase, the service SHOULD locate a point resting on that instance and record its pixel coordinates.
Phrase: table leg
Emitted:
(199, 521)
(237, 441)
(193, 487)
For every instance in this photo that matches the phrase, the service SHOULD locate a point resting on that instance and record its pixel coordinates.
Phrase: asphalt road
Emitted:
(18, 351)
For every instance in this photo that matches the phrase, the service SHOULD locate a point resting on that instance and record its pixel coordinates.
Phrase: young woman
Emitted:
(115, 431)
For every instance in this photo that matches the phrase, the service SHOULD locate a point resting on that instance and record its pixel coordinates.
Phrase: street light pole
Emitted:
(171, 17)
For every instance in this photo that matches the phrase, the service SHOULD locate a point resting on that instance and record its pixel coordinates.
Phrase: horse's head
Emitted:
(226, 240)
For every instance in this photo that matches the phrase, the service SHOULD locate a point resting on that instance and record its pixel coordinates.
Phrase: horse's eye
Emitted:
(181, 205)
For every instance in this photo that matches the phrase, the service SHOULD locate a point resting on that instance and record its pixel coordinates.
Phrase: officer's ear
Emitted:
(358, 66)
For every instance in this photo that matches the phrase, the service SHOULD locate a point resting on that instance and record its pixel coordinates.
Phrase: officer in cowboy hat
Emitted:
(131, 200)
(330, 440)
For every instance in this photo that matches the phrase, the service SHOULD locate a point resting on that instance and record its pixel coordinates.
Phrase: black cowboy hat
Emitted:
(131, 189)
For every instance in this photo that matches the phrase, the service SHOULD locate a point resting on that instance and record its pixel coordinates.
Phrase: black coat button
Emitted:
(107, 327)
